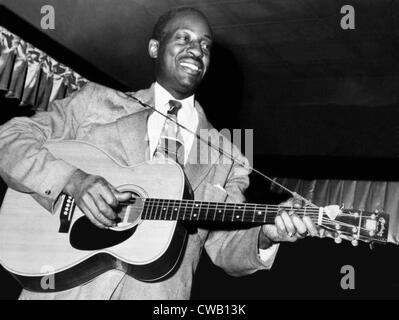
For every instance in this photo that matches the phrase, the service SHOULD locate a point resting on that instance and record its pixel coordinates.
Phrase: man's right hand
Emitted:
(95, 197)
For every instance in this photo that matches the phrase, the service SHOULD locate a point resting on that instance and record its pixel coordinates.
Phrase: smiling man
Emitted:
(181, 49)
(181, 46)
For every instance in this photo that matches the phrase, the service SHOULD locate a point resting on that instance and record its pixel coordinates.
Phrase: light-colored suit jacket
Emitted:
(116, 123)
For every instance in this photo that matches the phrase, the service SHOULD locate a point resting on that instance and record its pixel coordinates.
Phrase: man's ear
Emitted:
(153, 47)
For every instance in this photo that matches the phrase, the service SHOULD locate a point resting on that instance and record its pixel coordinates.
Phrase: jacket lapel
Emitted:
(201, 157)
(133, 127)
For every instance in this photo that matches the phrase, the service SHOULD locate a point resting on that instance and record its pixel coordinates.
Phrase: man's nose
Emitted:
(195, 49)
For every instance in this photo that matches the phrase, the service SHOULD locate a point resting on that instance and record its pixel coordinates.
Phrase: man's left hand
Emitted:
(288, 227)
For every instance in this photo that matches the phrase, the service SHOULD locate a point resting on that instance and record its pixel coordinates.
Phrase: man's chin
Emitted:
(188, 87)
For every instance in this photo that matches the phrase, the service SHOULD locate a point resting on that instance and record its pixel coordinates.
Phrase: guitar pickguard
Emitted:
(86, 236)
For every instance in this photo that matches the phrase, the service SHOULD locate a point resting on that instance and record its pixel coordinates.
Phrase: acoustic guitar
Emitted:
(149, 239)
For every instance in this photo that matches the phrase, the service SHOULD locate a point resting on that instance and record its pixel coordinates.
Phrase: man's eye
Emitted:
(206, 46)
(184, 38)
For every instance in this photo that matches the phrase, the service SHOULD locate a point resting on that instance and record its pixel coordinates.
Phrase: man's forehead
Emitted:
(190, 21)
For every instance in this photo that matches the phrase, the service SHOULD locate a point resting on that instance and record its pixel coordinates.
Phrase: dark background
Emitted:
(322, 101)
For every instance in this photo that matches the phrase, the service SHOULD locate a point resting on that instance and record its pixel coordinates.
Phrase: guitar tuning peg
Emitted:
(338, 240)
(355, 243)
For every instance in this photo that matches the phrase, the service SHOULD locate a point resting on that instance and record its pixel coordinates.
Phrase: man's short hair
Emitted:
(158, 32)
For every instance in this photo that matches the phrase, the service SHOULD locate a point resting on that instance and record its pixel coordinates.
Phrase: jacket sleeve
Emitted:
(25, 164)
(237, 251)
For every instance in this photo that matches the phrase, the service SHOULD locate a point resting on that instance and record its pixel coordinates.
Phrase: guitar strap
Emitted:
(307, 202)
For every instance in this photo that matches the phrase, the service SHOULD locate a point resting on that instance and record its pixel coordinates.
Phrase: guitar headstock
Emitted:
(356, 225)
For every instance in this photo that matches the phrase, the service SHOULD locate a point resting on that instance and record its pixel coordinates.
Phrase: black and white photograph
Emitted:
(223, 151)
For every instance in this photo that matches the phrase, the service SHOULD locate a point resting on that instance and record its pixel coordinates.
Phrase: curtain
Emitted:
(31, 76)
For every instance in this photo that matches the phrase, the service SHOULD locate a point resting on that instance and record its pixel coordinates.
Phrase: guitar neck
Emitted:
(346, 223)
(189, 210)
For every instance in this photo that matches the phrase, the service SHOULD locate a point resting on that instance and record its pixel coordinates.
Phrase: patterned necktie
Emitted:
(171, 143)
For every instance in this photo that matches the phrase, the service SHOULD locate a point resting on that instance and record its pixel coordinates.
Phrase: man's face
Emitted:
(183, 55)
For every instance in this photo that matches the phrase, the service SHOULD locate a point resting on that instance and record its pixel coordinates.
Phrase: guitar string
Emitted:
(230, 218)
(235, 211)
(225, 153)
(227, 205)
(244, 217)
(326, 222)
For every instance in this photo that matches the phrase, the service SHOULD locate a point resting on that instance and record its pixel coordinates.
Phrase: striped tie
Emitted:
(171, 143)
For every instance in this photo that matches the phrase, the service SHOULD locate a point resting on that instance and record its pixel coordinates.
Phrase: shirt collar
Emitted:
(162, 97)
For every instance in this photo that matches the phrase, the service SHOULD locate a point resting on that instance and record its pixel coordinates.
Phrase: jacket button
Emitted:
(48, 192)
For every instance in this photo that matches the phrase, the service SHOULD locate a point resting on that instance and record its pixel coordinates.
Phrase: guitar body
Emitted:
(33, 244)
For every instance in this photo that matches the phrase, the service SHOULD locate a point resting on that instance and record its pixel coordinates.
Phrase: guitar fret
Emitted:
(167, 205)
(164, 207)
(152, 208)
(192, 211)
(198, 214)
(233, 213)
(206, 214)
(158, 210)
(264, 216)
(145, 209)
(157, 216)
(175, 209)
(207, 208)
(192, 208)
(195, 214)
(224, 211)
(237, 216)
(163, 214)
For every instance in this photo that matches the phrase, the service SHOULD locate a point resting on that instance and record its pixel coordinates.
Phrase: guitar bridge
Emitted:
(66, 214)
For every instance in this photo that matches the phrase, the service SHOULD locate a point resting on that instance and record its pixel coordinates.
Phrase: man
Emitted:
(180, 46)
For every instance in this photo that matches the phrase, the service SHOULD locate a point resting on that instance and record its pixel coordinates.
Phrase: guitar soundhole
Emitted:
(86, 236)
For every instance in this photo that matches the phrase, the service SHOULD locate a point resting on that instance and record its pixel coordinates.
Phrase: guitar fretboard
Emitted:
(189, 210)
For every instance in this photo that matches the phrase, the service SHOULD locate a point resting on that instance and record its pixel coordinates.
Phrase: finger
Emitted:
(289, 226)
(90, 216)
(292, 202)
(287, 203)
(297, 203)
(123, 196)
(92, 206)
(104, 207)
(280, 226)
(107, 192)
(120, 196)
(310, 226)
(299, 225)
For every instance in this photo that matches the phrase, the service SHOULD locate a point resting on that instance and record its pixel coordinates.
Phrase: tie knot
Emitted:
(174, 107)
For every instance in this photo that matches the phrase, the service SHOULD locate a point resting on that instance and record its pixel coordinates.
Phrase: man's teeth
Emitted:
(190, 66)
